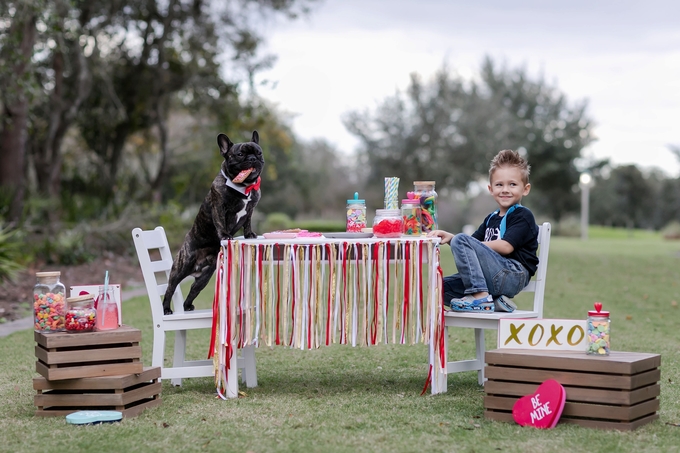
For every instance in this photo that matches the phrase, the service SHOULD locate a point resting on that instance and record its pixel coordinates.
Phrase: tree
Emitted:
(117, 67)
(16, 49)
(449, 129)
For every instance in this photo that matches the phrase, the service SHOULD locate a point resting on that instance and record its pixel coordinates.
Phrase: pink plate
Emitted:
(278, 235)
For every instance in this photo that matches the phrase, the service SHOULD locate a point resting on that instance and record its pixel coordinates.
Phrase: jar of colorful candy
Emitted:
(424, 191)
(356, 214)
(48, 302)
(597, 331)
(410, 215)
(387, 223)
(80, 314)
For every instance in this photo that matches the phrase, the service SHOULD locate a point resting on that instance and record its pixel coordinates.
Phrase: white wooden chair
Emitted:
(482, 321)
(156, 273)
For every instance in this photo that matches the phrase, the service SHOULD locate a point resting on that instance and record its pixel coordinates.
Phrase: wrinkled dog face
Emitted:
(243, 162)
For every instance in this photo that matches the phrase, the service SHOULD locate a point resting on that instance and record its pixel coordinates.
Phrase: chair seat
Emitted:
(199, 319)
(485, 320)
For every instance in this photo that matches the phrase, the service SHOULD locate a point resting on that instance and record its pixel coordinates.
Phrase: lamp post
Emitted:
(585, 181)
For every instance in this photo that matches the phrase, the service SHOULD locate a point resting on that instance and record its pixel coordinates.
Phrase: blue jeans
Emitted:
(481, 269)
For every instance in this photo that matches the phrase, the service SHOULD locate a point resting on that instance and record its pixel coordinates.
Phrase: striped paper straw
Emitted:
(392, 193)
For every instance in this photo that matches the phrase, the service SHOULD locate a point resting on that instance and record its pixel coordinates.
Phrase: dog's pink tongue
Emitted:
(242, 176)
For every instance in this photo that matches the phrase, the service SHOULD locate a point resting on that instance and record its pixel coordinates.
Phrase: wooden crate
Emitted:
(128, 393)
(619, 391)
(63, 355)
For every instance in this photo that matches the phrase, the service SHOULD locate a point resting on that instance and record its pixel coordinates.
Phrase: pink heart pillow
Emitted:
(543, 408)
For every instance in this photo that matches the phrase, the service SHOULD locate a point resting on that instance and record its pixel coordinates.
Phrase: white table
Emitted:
(310, 292)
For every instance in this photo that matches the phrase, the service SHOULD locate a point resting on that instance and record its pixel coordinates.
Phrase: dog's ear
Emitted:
(256, 137)
(224, 143)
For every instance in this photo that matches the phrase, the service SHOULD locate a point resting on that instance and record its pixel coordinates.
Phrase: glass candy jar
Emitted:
(424, 191)
(356, 214)
(410, 215)
(80, 314)
(48, 302)
(387, 223)
(597, 331)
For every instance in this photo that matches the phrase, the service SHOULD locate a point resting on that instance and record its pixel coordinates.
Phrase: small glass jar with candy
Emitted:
(387, 223)
(356, 214)
(410, 215)
(81, 315)
(597, 331)
(48, 302)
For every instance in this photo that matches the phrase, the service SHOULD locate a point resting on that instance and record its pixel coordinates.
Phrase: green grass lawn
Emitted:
(341, 398)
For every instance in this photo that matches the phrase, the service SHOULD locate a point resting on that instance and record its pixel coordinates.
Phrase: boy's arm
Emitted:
(500, 246)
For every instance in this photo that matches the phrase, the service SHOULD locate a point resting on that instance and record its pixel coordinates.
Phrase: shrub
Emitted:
(10, 254)
(276, 221)
(671, 231)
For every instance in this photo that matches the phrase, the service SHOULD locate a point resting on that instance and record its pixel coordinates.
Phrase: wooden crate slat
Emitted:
(507, 373)
(599, 424)
(616, 363)
(120, 381)
(80, 398)
(75, 372)
(56, 357)
(123, 334)
(585, 410)
(128, 412)
(580, 394)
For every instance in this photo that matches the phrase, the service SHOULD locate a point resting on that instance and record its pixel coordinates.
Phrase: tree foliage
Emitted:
(448, 130)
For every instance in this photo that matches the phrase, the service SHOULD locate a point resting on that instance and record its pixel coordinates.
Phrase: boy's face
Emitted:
(507, 187)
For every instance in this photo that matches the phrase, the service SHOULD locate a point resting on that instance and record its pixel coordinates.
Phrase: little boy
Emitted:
(499, 258)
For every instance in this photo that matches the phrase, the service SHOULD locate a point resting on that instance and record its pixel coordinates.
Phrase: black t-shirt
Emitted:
(521, 232)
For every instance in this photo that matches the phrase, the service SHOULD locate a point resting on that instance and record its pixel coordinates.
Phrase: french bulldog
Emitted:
(228, 206)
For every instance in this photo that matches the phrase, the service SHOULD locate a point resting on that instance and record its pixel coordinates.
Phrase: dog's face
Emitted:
(243, 162)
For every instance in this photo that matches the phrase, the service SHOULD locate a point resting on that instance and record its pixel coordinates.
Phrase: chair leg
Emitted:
(481, 348)
(179, 353)
(158, 351)
(249, 372)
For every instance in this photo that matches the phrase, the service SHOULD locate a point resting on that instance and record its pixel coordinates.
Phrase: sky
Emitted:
(622, 57)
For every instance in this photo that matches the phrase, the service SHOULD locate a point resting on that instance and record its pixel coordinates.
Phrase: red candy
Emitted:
(388, 228)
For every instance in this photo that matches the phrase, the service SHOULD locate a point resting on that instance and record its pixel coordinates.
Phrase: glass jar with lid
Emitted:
(410, 215)
(81, 315)
(356, 214)
(48, 302)
(597, 331)
(387, 223)
(425, 192)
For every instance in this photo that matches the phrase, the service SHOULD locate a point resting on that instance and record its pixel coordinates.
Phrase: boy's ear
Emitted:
(489, 187)
(527, 189)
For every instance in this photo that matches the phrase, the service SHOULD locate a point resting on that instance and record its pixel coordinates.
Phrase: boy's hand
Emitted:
(444, 235)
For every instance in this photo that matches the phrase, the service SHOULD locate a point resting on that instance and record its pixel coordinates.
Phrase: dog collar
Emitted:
(243, 188)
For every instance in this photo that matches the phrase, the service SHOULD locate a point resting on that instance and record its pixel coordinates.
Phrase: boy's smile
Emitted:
(507, 187)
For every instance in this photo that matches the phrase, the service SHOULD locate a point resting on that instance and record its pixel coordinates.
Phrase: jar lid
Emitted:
(48, 274)
(410, 201)
(76, 299)
(356, 199)
(421, 183)
(387, 212)
(598, 311)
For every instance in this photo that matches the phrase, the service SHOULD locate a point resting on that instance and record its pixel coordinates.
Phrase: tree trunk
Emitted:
(15, 117)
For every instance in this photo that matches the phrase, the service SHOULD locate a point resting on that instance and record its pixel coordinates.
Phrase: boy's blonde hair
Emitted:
(510, 158)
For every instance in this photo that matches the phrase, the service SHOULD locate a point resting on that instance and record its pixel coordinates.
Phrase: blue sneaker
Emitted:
(470, 304)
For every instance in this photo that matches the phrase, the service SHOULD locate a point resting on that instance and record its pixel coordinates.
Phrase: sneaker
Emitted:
(504, 304)
(470, 304)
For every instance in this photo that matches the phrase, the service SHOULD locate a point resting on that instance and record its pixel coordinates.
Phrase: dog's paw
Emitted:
(189, 307)
(250, 235)
(167, 311)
